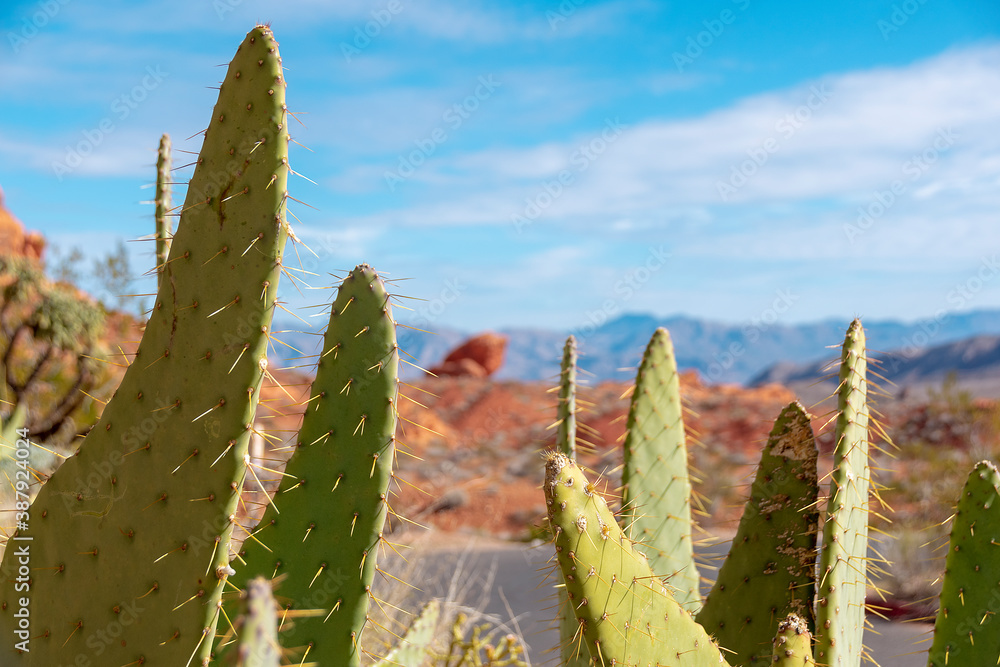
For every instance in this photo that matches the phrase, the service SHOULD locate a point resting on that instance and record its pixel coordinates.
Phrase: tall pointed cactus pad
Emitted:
(842, 575)
(626, 614)
(133, 532)
(770, 570)
(656, 489)
(572, 649)
(323, 531)
(162, 200)
(258, 626)
(792, 644)
(566, 410)
(965, 632)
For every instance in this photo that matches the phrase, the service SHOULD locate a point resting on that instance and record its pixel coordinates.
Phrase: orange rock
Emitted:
(462, 367)
(14, 240)
(480, 356)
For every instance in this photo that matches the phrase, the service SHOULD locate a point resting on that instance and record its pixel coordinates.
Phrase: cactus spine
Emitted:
(656, 493)
(162, 200)
(139, 522)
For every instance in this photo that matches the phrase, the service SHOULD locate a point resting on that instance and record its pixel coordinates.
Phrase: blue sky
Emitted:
(553, 164)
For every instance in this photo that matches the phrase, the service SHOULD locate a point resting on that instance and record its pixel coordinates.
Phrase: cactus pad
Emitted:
(130, 538)
(965, 631)
(626, 614)
(792, 644)
(842, 575)
(656, 489)
(770, 569)
(324, 530)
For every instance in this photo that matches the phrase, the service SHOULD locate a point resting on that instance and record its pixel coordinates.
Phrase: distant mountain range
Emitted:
(924, 350)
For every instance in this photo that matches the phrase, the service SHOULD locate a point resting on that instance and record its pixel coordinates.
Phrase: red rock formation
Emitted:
(14, 240)
(481, 356)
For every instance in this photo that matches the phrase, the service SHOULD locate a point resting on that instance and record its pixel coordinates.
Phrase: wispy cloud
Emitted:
(835, 141)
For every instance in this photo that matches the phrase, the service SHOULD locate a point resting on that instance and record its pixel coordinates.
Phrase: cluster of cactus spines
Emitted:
(793, 643)
(842, 580)
(965, 631)
(656, 488)
(257, 625)
(414, 645)
(626, 614)
(138, 524)
(323, 531)
(162, 201)
(770, 570)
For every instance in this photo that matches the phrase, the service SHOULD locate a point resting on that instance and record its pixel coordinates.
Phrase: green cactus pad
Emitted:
(965, 632)
(162, 200)
(574, 653)
(324, 530)
(656, 489)
(412, 650)
(770, 569)
(842, 575)
(626, 614)
(566, 410)
(258, 627)
(792, 643)
(129, 540)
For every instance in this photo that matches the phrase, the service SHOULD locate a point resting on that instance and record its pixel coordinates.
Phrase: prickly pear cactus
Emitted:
(323, 532)
(770, 569)
(842, 575)
(127, 545)
(626, 614)
(965, 631)
(656, 488)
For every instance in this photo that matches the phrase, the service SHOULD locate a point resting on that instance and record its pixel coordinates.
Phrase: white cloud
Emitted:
(930, 126)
